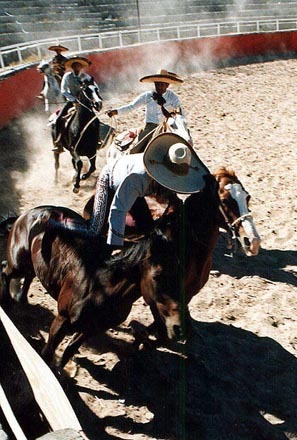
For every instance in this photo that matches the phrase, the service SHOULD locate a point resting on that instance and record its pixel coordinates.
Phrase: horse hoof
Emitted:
(75, 190)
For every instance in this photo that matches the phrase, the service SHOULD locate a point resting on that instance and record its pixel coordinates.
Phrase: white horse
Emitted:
(126, 142)
(51, 91)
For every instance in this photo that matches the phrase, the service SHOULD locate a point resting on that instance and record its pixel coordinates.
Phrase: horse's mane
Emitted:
(225, 172)
(201, 210)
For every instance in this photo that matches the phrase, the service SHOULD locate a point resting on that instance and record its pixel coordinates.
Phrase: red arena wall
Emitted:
(18, 91)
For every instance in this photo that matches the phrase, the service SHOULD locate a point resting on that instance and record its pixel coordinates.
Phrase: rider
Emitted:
(168, 165)
(159, 103)
(58, 61)
(70, 87)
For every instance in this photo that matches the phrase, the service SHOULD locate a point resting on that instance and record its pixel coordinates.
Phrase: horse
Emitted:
(94, 291)
(81, 133)
(128, 141)
(51, 92)
(193, 223)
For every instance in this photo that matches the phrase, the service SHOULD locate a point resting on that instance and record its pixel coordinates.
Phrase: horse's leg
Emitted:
(72, 348)
(92, 168)
(57, 332)
(57, 165)
(12, 287)
(77, 165)
(46, 105)
(5, 297)
(22, 295)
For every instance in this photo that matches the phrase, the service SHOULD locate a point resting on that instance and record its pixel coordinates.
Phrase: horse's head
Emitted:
(160, 286)
(90, 96)
(235, 208)
(44, 67)
(177, 124)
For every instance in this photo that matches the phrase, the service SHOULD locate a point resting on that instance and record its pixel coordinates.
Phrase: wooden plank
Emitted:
(47, 390)
(63, 434)
(10, 417)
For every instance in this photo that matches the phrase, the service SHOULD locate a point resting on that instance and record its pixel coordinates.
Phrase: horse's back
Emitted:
(30, 224)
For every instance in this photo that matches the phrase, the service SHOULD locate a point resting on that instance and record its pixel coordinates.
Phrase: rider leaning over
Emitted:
(158, 103)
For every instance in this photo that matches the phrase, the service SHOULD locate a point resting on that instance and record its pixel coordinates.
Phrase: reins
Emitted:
(231, 227)
(87, 125)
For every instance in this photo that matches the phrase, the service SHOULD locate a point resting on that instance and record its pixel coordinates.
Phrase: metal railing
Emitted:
(33, 51)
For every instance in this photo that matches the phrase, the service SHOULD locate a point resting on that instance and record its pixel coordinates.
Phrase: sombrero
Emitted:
(163, 76)
(58, 47)
(174, 164)
(83, 61)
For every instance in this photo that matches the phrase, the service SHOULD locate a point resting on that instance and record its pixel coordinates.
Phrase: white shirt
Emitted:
(70, 85)
(153, 111)
(129, 179)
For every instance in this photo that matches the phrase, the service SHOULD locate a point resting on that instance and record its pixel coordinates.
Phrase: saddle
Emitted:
(124, 140)
(63, 126)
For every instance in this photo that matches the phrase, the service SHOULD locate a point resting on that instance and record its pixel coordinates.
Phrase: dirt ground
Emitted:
(236, 379)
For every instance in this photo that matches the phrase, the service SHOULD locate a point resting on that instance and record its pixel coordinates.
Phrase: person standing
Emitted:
(158, 103)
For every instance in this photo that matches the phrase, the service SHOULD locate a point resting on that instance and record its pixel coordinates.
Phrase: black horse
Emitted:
(81, 133)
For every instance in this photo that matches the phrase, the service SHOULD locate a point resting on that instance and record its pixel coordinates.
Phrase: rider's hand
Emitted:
(111, 113)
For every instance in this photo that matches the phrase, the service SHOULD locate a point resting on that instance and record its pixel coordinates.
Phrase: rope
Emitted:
(82, 133)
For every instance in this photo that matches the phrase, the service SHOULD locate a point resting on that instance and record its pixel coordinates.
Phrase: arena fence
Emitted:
(118, 67)
(21, 53)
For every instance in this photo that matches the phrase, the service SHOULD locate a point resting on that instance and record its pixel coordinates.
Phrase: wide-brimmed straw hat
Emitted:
(58, 47)
(163, 76)
(83, 61)
(173, 163)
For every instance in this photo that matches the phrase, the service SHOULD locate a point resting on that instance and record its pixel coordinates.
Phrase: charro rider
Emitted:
(158, 103)
(57, 64)
(58, 61)
(70, 88)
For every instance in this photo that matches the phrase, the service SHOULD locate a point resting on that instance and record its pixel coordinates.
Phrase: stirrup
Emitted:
(58, 147)
(57, 140)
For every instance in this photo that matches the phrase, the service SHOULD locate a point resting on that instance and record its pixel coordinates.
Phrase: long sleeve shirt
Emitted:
(128, 178)
(70, 85)
(153, 112)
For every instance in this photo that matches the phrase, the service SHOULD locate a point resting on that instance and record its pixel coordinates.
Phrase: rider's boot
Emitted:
(58, 146)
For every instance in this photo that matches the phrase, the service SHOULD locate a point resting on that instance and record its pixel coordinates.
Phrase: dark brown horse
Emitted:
(94, 292)
(194, 225)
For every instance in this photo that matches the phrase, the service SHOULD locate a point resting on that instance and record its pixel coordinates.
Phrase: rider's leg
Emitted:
(59, 125)
(146, 135)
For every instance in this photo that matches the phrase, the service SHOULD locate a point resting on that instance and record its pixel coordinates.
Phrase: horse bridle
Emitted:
(85, 106)
(88, 124)
(231, 227)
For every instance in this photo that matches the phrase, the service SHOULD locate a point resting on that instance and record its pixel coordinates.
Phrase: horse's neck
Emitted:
(84, 113)
(201, 211)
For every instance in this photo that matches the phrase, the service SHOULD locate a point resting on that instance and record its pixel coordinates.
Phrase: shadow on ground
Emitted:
(217, 386)
(269, 264)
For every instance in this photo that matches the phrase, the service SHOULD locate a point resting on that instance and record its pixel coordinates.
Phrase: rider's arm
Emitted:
(138, 102)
